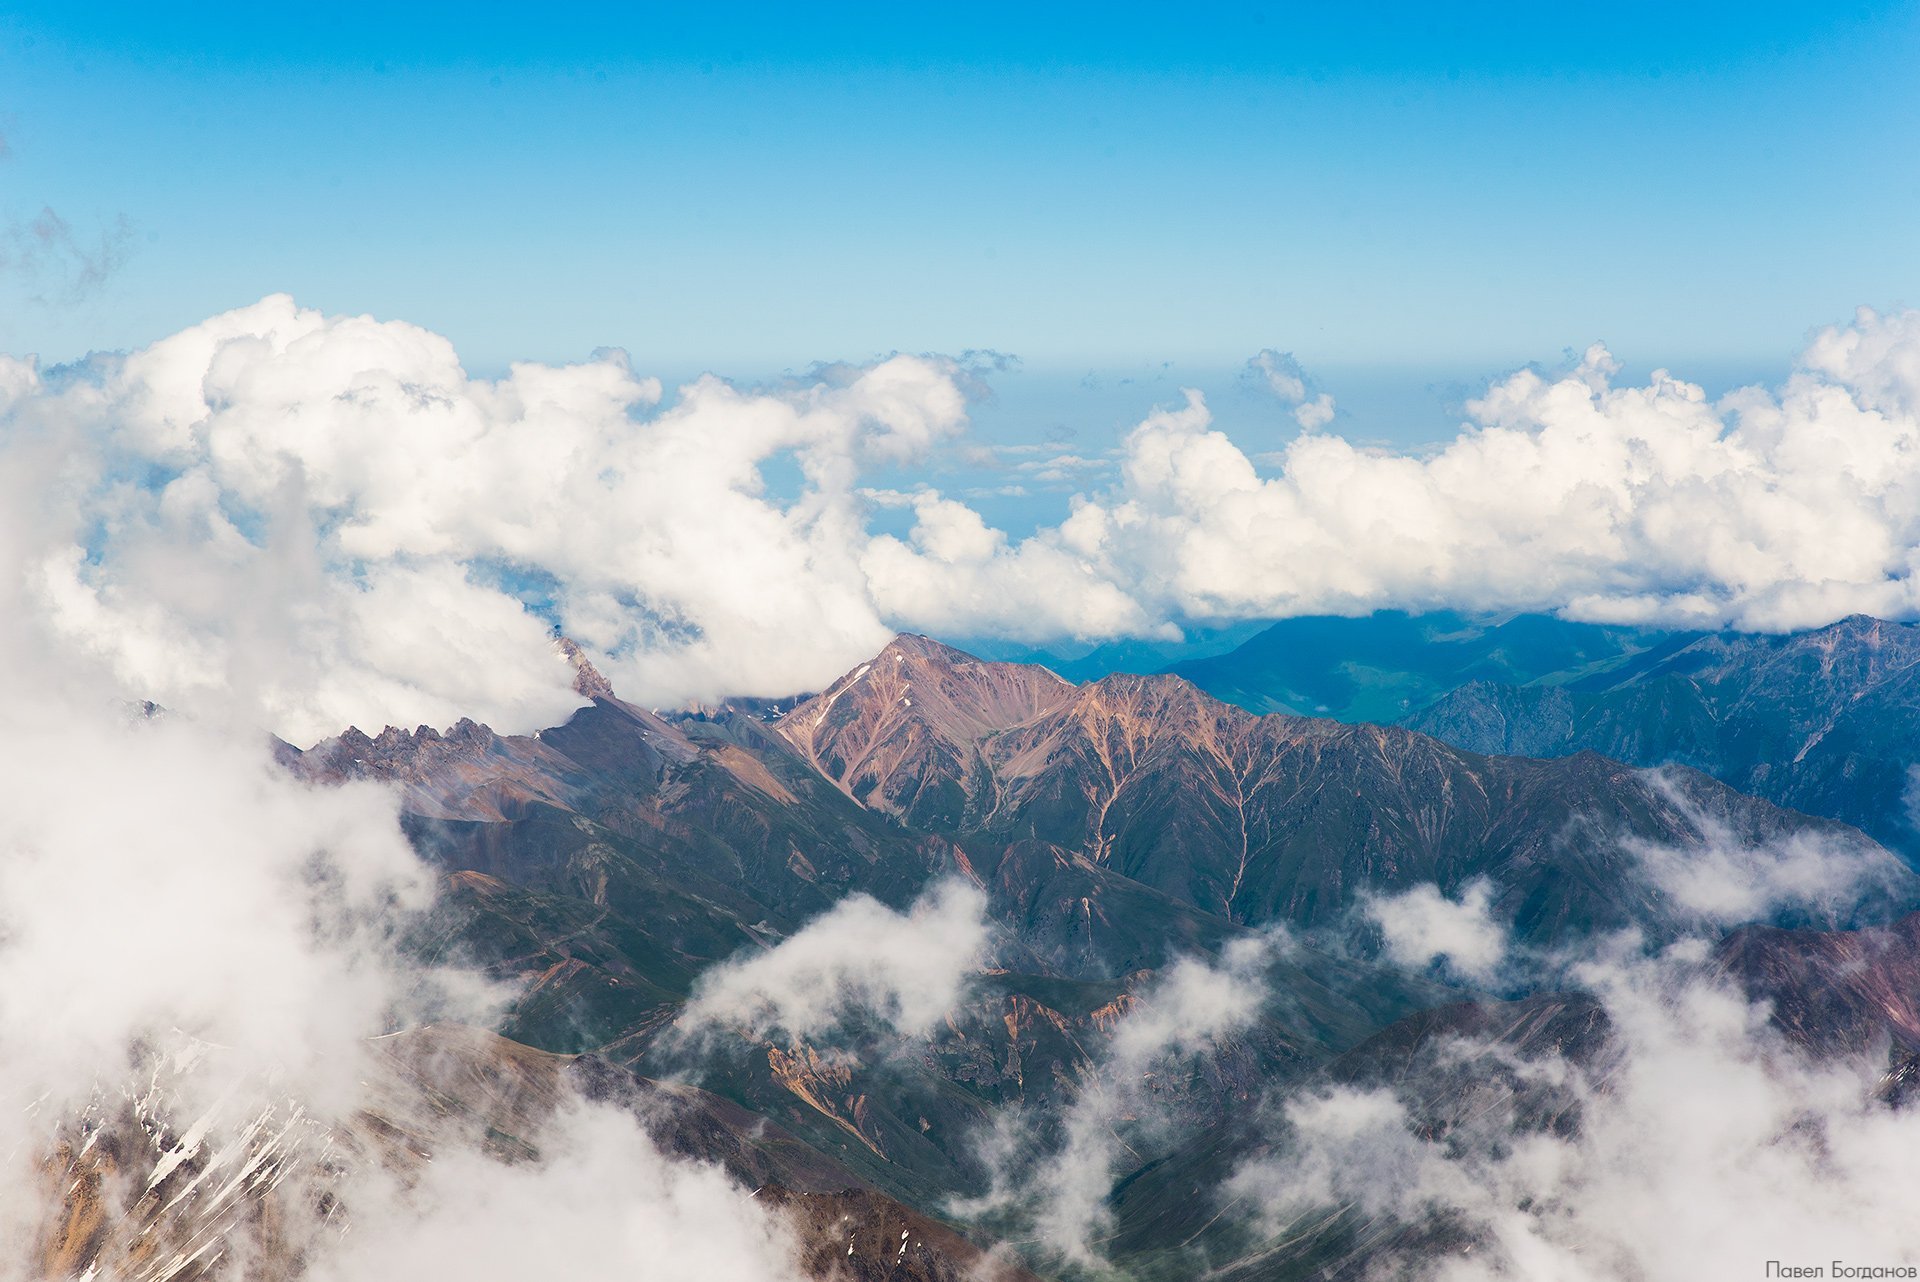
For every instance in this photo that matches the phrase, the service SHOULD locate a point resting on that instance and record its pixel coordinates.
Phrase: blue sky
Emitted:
(1404, 200)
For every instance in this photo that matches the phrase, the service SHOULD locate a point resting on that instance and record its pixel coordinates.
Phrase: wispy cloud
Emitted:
(1422, 926)
(1701, 1146)
(1286, 379)
(58, 264)
(1059, 1189)
(200, 959)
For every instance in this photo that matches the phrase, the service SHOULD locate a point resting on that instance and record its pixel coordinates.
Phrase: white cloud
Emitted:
(1768, 509)
(1705, 1147)
(1423, 926)
(1316, 413)
(1282, 374)
(1287, 380)
(156, 877)
(325, 520)
(1826, 877)
(602, 1201)
(1062, 1192)
(195, 948)
(857, 959)
(315, 517)
(956, 576)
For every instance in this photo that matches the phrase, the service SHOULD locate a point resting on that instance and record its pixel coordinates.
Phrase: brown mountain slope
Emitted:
(1834, 992)
(899, 733)
(1276, 818)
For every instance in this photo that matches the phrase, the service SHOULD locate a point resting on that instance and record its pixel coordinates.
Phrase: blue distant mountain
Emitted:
(1821, 721)
(1386, 666)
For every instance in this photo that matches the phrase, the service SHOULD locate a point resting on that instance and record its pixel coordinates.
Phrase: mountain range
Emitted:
(1817, 721)
(1118, 830)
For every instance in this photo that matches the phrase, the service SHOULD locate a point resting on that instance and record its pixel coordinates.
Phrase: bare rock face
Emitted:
(899, 733)
(1833, 992)
(466, 773)
(470, 773)
(587, 680)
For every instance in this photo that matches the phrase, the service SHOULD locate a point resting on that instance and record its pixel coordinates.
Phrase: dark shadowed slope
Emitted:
(1821, 721)
(1383, 666)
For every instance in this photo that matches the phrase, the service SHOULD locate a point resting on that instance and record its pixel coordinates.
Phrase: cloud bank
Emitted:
(196, 951)
(325, 520)
(1769, 509)
(1829, 879)
(602, 1202)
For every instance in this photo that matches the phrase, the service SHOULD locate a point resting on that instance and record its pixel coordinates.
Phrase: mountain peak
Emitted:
(911, 715)
(921, 644)
(587, 681)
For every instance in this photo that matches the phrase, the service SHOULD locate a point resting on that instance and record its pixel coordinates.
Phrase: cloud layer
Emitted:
(602, 1202)
(1060, 1189)
(326, 520)
(1423, 926)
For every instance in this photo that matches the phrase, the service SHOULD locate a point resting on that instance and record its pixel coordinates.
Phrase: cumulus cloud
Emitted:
(328, 521)
(601, 1201)
(189, 940)
(857, 959)
(1768, 509)
(199, 955)
(955, 575)
(173, 881)
(161, 877)
(1423, 926)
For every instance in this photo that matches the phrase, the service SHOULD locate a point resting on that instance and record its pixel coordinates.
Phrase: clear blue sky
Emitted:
(1453, 188)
